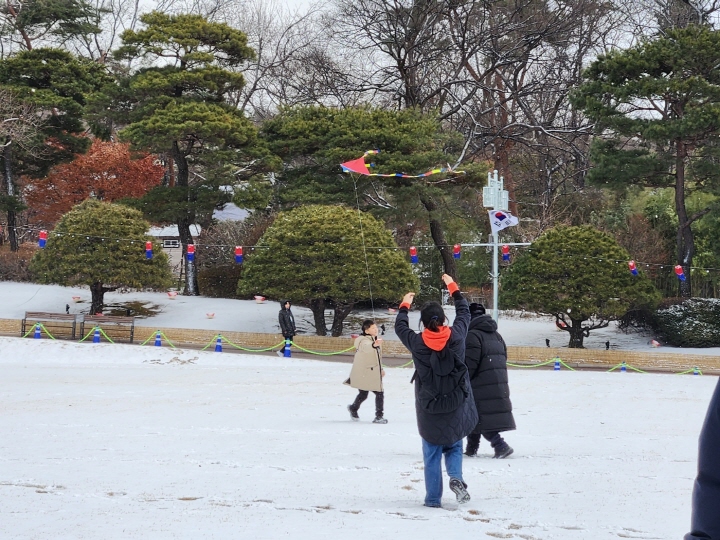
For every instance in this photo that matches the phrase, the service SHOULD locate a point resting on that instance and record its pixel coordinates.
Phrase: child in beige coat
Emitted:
(367, 371)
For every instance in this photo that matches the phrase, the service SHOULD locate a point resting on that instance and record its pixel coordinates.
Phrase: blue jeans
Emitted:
(432, 455)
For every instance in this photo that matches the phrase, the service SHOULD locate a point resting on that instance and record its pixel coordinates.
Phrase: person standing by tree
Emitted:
(486, 360)
(287, 324)
(443, 398)
(705, 521)
(367, 371)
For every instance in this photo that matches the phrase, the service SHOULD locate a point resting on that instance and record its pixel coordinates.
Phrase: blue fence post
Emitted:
(557, 364)
(96, 335)
(286, 353)
(218, 344)
(696, 371)
(623, 367)
(37, 334)
(158, 340)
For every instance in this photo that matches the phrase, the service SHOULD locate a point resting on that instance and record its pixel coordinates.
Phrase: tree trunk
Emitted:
(577, 335)
(438, 235)
(10, 188)
(685, 238)
(341, 313)
(184, 223)
(97, 299)
(317, 306)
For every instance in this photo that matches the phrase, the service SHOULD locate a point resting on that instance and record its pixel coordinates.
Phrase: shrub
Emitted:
(694, 323)
(14, 265)
(220, 281)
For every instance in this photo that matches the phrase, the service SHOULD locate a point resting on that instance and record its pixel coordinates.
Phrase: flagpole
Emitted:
(495, 272)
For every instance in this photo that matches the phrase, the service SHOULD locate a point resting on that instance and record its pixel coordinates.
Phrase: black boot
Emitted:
(473, 443)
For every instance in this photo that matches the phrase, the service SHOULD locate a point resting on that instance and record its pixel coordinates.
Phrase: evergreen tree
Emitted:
(56, 86)
(580, 276)
(25, 22)
(182, 107)
(657, 108)
(101, 245)
(313, 141)
(327, 256)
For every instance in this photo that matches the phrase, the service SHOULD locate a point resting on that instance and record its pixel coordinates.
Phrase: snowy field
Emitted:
(249, 316)
(101, 441)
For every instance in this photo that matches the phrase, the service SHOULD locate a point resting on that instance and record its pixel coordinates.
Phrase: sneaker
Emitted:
(380, 420)
(459, 488)
(503, 451)
(280, 353)
(353, 413)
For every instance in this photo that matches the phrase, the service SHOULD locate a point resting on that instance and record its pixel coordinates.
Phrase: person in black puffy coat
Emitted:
(444, 418)
(705, 522)
(486, 359)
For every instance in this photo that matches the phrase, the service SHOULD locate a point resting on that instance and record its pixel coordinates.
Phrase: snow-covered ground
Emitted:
(119, 442)
(249, 316)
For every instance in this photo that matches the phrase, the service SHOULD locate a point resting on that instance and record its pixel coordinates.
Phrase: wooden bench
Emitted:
(59, 325)
(115, 327)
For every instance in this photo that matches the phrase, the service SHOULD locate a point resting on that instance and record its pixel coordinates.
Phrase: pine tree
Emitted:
(657, 108)
(182, 108)
(327, 256)
(580, 276)
(101, 245)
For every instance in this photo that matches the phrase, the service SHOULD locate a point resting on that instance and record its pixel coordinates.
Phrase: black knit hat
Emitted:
(477, 309)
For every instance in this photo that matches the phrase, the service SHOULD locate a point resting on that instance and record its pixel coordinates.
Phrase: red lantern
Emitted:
(505, 252)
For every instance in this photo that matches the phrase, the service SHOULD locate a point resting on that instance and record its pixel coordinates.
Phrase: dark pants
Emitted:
(495, 439)
(379, 401)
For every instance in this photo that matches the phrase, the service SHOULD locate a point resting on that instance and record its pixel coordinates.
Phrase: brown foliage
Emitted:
(107, 172)
(14, 264)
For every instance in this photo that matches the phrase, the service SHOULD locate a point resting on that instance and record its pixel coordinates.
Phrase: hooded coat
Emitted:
(443, 428)
(287, 321)
(705, 522)
(366, 373)
(486, 359)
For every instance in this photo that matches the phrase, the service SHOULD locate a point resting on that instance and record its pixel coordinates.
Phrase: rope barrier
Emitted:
(623, 366)
(93, 331)
(36, 329)
(158, 343)
(225, 340)
(321, 353)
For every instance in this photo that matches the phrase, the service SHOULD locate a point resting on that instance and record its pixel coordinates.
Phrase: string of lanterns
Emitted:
(413, 252)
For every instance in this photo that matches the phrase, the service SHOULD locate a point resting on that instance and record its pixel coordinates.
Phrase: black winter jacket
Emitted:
(705, 521)
(444, 428)
(287, 322)
(486, 359)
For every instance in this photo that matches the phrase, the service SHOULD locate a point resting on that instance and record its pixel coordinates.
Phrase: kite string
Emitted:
(362, 236)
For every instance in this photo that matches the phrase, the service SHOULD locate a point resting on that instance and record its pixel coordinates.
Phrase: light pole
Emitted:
(495, 197)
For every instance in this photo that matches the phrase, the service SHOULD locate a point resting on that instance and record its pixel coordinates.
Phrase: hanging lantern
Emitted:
(148, 250)
(413, 255)
(238, 254)
(191, 252)
(679, 272)
(456, 251)
(505, 252)
(633, 268)
(42, 239)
